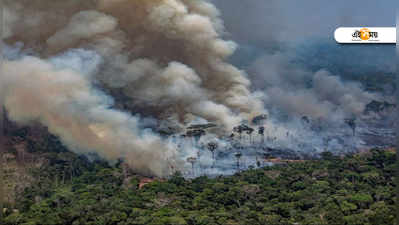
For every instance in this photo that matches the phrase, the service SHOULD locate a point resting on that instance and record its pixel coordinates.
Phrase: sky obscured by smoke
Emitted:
(165, 58)
(288, 50)
(285, 21)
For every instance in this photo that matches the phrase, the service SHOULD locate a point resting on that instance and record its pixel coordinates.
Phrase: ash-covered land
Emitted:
(262, 143)
(163, 86)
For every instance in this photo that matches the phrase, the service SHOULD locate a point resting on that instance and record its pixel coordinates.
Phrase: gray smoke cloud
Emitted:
(270, 35)
(282, 21)
(299, 92)
(97, 73)
(167, 57)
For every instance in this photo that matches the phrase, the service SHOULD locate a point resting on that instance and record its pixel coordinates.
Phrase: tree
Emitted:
(327, 155)
(261, 132)
(313, 192)
(212, 146)
(192, 160)
(362, 199)
(238, 157)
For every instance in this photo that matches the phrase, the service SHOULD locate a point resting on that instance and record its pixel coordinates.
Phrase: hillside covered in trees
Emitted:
(62, 188)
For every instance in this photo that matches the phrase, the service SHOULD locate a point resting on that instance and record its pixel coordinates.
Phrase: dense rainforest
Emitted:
(60, 187)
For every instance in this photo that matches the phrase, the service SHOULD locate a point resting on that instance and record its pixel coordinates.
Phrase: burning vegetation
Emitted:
(150, 83)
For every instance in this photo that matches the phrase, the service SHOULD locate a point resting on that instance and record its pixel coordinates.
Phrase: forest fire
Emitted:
(151, 81)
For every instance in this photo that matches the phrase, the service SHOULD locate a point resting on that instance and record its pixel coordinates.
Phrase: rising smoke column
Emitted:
(182, 37)
(66, 102)
(142, 41)
(166, 56)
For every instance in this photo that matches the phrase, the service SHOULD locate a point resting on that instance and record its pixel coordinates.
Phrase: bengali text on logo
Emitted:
(365, 35)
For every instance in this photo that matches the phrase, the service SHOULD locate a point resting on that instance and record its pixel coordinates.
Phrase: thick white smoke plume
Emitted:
(143, 43)
(165, 58)
(98, 73)
(65, 101)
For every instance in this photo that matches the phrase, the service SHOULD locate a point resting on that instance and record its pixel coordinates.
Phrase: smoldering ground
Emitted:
(293, 60)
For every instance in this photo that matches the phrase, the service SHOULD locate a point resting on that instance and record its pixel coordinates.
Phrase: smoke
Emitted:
(165, 59)
(296, 63)
(279, 22)
(292, 89)
(66, 102)
(83, 25)
(101, 74)
(312, 86)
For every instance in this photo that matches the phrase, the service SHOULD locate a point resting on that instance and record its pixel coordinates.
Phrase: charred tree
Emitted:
(261, 132)
(249, 132)
(192, 160)
(352, 124)
(238, 156)
(212, 146)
